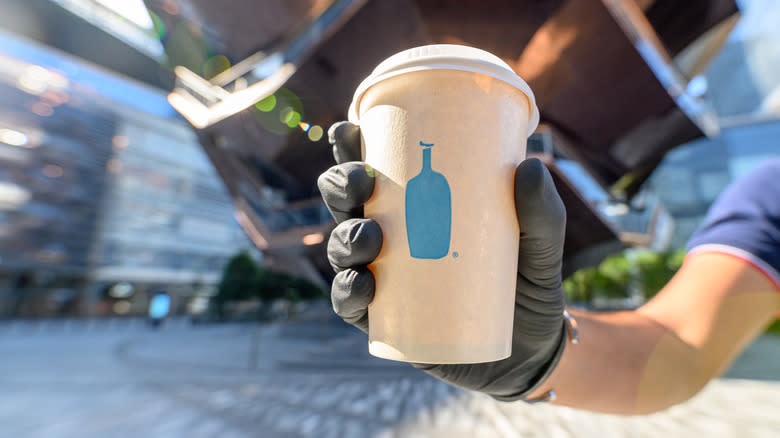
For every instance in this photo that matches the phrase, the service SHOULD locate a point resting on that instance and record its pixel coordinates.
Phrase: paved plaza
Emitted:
(119, 378)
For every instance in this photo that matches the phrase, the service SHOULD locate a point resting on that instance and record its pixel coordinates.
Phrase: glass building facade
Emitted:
(100, 183)
(166, 215)
(692, 176)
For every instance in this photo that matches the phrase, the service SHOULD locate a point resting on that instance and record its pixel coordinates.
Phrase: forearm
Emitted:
(625, 363)
(642, 361)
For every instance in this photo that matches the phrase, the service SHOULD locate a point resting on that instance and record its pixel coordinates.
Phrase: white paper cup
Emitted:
(443, 129)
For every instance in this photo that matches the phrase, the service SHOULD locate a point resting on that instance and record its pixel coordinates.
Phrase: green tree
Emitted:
(579, 286)
(270, 285)
(643, 270)
(612, 278)
(302, 289)
(774, 328)
(243, 279)
(654, 270)
(274, 285)
(617, 274)
(238, 281)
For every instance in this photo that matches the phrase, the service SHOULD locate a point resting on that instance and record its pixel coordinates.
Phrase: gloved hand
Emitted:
(539, 331)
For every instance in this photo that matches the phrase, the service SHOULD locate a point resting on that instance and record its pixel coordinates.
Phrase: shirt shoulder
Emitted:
(745, 221)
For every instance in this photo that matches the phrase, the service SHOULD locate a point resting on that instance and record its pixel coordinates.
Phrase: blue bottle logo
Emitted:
(428, 211)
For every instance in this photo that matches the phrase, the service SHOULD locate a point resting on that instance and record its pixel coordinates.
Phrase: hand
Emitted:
(539, 331)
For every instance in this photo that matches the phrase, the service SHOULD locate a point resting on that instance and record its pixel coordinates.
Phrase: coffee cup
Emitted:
(443, 129)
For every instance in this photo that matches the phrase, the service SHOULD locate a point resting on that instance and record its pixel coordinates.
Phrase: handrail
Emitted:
(640, 32)
(203, 102)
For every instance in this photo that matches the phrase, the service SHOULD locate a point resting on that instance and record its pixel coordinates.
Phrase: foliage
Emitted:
(774, 328)
(641, 271)
(271, 285)
(633, 271)
(656, 269)
(612, 277)
(244, 280)
(238, 281)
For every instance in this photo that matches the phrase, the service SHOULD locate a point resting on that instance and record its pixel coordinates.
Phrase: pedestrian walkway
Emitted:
(725, 409)
(84, 325)
(310, 379)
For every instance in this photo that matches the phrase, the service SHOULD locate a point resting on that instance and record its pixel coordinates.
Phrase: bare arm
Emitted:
(643, 361)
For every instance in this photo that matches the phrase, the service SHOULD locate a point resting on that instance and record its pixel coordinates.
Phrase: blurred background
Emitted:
(162, 239)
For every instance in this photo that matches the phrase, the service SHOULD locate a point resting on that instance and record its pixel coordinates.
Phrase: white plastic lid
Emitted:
(446, 57)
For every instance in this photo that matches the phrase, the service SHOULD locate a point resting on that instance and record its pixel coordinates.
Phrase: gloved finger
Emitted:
(354, 242)
(540, 302)
(542, 218)
(345, 188)
(351, 293)
(345, 139)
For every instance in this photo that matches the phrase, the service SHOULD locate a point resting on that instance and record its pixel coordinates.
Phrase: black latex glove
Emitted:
(539, 331)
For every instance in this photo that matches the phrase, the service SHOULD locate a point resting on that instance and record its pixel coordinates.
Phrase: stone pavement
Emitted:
(308, 379)
(726, 408)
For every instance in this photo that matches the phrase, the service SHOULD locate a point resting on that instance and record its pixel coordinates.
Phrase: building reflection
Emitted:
(96, 192)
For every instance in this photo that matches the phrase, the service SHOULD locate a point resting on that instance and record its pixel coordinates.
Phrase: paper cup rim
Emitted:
(492, 66)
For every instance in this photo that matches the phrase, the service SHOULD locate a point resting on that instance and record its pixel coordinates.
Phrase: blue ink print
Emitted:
(428, 211)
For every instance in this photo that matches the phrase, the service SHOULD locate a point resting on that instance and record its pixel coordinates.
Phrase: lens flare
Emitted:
(159, 26)
(304, 126)
(286, 114)
(285, 107)
(315, 133)
(187, 47)
(293, 119)
(215, 65)
(267, 104)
